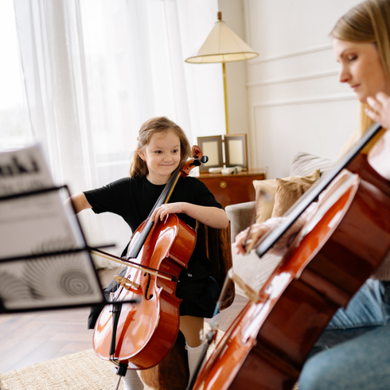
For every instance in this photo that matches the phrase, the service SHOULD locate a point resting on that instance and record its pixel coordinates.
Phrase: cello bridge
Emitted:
(126, 283)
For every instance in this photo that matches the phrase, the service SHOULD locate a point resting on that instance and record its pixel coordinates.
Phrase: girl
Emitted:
(356, 344)
(162, 147)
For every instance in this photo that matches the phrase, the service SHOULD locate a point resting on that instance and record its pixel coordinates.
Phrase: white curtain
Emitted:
(95, 70)
(15, 129)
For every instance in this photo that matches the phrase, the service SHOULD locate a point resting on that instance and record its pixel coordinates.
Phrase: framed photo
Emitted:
(212, 148)
(236, 151)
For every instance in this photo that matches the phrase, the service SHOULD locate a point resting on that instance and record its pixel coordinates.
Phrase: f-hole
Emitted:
(147, 288)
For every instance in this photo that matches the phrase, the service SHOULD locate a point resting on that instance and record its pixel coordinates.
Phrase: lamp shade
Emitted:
(222, 45)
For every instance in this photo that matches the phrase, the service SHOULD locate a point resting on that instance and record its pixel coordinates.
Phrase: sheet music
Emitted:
(34, 224)
(23, 170)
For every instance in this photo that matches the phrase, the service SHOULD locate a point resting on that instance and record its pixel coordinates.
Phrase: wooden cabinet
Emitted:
(231, 189)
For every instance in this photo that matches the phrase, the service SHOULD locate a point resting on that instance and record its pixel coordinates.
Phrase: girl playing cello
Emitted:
(354, 350)
(162, 147)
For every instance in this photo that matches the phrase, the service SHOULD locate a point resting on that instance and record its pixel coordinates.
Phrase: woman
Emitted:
(354, 350)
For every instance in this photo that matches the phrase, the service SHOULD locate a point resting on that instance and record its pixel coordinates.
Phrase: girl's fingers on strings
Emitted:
(160, 214)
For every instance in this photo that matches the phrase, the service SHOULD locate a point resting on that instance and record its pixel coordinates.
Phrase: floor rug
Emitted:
(79, 371)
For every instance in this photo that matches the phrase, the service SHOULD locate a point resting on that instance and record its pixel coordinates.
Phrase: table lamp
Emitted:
(222, 45)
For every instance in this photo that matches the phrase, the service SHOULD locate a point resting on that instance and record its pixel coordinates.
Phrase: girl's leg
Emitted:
(191, 328)
(132, 381)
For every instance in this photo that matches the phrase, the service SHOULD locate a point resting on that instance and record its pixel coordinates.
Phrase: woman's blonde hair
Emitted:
(367, 22)
(152, 126)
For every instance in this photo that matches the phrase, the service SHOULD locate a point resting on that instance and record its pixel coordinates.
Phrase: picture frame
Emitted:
(236, 151)
(212, 148)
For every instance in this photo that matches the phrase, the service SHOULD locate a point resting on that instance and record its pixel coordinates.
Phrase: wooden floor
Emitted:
(35, 337)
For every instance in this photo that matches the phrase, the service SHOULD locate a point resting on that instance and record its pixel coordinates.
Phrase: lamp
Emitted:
(223, 45)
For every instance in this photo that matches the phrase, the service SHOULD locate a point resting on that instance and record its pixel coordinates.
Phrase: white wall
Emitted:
(294, 100)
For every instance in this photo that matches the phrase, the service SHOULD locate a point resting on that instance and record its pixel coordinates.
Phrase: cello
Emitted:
(331, 257)
(139, 336)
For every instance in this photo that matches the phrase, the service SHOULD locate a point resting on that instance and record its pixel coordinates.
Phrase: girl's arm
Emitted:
(80, 202)
(210, 216)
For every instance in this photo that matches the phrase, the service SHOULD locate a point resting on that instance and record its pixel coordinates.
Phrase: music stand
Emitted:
(57, 275)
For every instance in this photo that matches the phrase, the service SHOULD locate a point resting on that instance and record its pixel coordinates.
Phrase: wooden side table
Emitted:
(234, 188)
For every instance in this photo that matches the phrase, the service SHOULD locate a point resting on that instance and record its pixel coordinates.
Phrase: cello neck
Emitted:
(311, 195)
(163, 198)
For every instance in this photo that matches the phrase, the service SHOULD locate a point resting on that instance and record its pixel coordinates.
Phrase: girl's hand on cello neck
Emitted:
(379, 110)
(165, 209)
(210, 216)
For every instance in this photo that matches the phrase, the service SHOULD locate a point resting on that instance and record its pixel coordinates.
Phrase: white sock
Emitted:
(132, 381)
(193, 357)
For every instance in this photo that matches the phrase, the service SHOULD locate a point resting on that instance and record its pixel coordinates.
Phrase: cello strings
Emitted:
(142, 237)
(163, 198)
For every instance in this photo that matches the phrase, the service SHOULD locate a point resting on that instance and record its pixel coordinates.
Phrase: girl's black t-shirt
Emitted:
(134, 198)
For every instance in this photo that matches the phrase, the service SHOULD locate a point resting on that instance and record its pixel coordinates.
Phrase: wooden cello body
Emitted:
(335, 252)
(172, 372)
(168, 248)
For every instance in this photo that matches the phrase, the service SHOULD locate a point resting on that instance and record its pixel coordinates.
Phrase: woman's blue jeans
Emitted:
(354, 350)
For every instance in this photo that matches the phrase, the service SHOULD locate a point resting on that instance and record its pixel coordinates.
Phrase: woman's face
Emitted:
(361, 68)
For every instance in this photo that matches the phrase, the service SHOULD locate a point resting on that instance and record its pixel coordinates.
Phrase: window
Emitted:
(15, 127)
